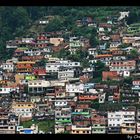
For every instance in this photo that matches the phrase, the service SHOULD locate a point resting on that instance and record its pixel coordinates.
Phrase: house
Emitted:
(19, 78)
(136, 85)
(75, 88)
(30, 77)
(114, 45)
(32, 52)
(123, 15)
(63, 115)
(23, 109)
(104, 26)
(8, 122)
(66, 73)
(40, 73)
(130, 40)
(12, 44)
(56, 41)
(32, 58)
(6, 90)
(18, 53)
(93, 51)
(24, 66)
(138, 121)
(115, 38)
(81, 116)
(32, 130)
(38, 86)
(105, 58)
(110, 75)
(98, 122)
(59, 128)
(114, 120)
(75, 44)
(126, 65)
(9, 67)
(128, 49)
(52, 67)
(80, 129)
(27, 40)
(129, 125)
(120, 121)
(42, 39)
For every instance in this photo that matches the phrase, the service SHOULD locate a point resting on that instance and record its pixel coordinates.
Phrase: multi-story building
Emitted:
(9, 67)
(80, 129)
(23, 109)
(127, 65)
(8, 123)
(75, 88)
(63, 115)
(24, 67)
(75, 44)
(38, 86)
(66, 73)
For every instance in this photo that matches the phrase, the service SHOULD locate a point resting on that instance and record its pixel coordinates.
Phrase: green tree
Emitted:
(55, 25)
(134, 54)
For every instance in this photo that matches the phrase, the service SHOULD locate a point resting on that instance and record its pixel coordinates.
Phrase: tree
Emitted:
(99, 68)
(134, 54)
(128, 80)
(55, 25)
(93, 40)
(63, 53)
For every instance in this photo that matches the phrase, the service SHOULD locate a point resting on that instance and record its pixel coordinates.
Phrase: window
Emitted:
(11, 127)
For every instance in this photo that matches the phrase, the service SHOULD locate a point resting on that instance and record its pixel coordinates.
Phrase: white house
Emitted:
(52, 67)
(75, 88)
(27, 40)
(7, 90)
(8, 66)
(92, 51)
(123, 15)
(66, 74)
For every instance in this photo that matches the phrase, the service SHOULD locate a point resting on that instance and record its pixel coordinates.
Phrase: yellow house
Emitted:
(18, 78)
(23, 109)
(128, 128)
(80, 129)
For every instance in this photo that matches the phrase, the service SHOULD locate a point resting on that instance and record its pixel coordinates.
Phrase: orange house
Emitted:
(88, 97)
(112, 75)
(24, 66)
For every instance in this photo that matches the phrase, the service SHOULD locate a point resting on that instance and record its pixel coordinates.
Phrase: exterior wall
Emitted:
(52, 67)
(138, 128)
(60, 103)
(19, 77)
(98, 129)
(23, 109)
(7, 90)
(8, 66)
(59, 129)
(80, 130)
(65, 75)
(56, 41)
(75, 88)
(115, 119)
(128, 128)
(122, 65)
